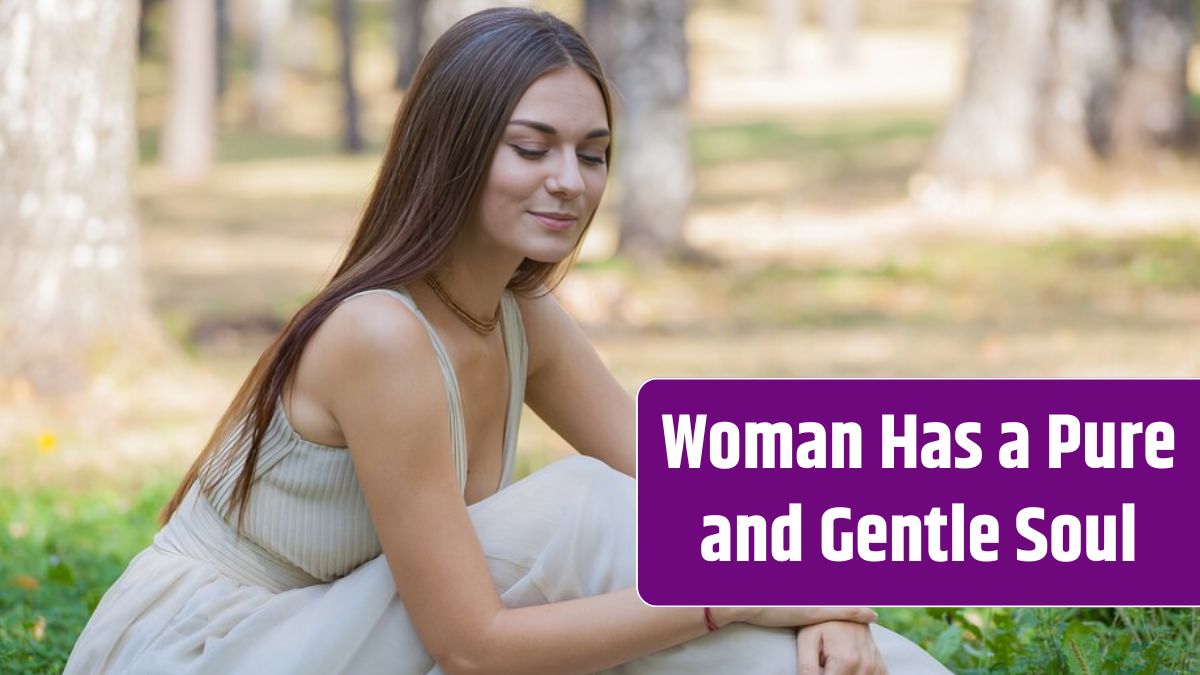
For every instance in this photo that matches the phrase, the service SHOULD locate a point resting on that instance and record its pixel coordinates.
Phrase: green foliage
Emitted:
(1055, 640)
(60, 550)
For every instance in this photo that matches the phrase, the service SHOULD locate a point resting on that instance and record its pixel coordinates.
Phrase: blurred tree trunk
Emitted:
(189, 131)
(782, 15)
(270, 20)
(1152, 110)
(1069, 84)
(992, 131)
(221, 7)
(646, 55)
(143, 35)
(408, 18)
(70, 277)
(600, 28)
(1085, 58)
(351, 132)
(841, 27)
(302, 38)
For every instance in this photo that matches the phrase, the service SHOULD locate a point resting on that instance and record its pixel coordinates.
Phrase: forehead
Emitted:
(566, 99)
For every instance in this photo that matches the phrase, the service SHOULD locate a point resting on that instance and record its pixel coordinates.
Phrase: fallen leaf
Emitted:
(25, 581)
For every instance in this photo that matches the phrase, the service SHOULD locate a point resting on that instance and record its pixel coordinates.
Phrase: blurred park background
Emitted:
(801, 188)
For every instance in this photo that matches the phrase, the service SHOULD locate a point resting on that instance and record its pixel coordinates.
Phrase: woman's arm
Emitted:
(570, 388)
(378, 376)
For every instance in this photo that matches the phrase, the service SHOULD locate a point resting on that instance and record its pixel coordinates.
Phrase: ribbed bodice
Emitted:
(306, 518)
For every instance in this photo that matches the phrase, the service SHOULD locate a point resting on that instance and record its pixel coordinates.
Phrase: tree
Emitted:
(1153, 107)
(1069, 83)
(992, 131)
(270, 20)
(221, 9)
(352, 140)
(782, 17)
(70, 278)
(644, 49)
(408, 18)
(188, 137)
(841, 25)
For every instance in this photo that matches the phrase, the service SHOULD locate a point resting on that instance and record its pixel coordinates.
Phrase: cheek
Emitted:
(511, 179)
(595, 189)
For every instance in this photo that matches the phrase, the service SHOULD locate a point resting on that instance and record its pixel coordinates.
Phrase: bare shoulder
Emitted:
(373, 324)
(365, 338)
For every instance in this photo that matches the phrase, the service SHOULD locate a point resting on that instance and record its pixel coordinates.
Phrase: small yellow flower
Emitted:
(39, 629)
(47, 442)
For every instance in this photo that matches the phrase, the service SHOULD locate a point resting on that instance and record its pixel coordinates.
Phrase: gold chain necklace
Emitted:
(481, 326)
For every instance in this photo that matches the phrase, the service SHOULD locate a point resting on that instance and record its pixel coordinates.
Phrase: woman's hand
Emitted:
(838, 648)
(793, 617)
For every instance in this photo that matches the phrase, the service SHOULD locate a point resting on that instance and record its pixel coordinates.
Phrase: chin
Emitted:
(552, 257)
(553, 251)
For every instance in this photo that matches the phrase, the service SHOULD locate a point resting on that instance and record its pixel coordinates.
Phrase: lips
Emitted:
(555, 220)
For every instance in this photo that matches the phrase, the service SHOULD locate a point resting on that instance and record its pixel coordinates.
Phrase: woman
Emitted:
(337, 447)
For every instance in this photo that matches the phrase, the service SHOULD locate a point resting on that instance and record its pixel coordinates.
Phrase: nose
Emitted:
(567, 180)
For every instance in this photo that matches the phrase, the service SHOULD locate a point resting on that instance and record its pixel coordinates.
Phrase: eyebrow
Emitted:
(547, 129)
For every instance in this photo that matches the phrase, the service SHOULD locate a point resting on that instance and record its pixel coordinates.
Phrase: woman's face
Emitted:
(548, 173)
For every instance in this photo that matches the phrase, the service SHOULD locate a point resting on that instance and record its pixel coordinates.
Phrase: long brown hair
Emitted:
(433, 171)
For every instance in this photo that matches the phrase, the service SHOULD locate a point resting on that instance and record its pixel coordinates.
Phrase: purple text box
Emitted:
(673, 539)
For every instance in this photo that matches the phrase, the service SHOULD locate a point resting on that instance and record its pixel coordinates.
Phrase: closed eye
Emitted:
(527, 153)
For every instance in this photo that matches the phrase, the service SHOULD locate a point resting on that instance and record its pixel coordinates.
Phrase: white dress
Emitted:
(306, 590)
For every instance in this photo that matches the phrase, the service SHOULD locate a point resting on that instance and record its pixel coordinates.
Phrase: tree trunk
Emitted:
(783, 15)
(70, 278)
(270, 20)
(1069, 84)
(1153, 110)
(992, 132)
(188, 134)
(1084, 67)
(301, 51)
(647, 60)
(408, 17)
(600, 26)
(351, 133)
(221, 7)
(841, 27)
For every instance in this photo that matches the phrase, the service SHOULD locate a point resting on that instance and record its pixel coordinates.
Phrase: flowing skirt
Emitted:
(564, 532)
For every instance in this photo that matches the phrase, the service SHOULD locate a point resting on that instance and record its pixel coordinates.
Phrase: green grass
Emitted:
(811, 142)
(958, 285)
(59, 552)
(62, 549)
(847, 160)
(1054, 640)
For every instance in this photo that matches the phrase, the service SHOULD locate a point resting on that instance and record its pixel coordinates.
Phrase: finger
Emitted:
(869, 660)
(808, 652)
(855, 614)
(872, 659)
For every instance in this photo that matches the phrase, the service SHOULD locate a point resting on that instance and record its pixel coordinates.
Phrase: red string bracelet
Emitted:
(708, 620)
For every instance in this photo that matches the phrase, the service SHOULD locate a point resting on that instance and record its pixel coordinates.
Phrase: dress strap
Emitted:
(517, 351)
(458, 432)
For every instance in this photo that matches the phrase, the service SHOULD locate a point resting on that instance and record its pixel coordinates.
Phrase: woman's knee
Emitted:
(606, 524)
